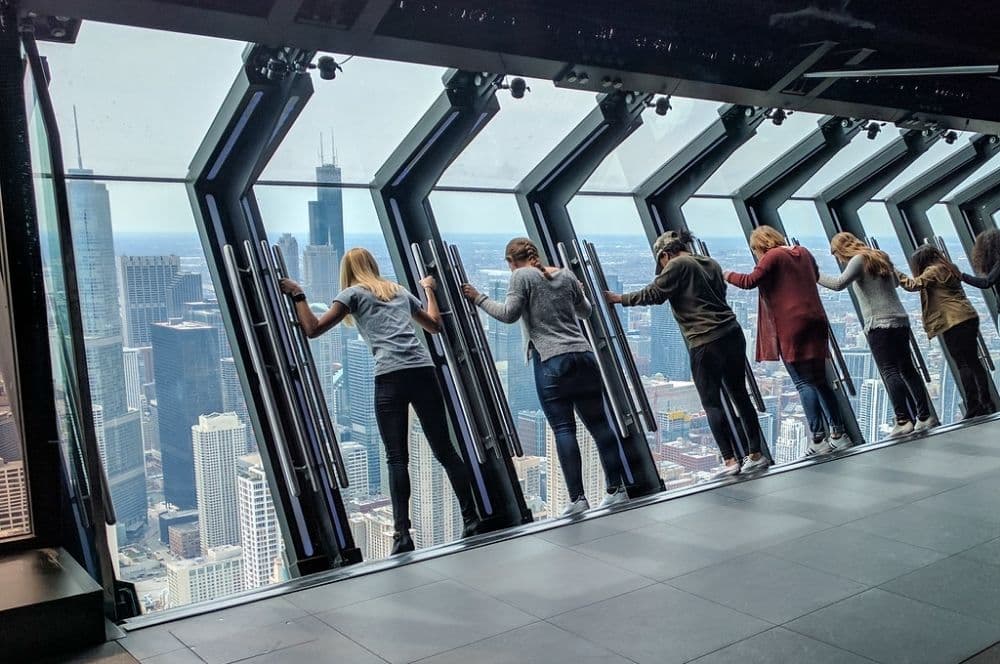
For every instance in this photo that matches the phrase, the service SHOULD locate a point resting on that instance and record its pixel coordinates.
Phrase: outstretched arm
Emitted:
(852, 272)
(429, 318)
(659, 291)
(989, 281)
(311, 325)
(507, 311)
(918, 283)
(752, 280)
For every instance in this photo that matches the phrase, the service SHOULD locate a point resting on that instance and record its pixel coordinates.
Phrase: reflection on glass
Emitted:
(652, 144)
(356, 120)
(784, 424)
(942, 387)
(849, 157)
(519, 137)
(935, 153)
(125, 84)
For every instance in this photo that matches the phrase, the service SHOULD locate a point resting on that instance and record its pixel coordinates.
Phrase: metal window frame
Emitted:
(972, 210)
(757, 203)
(400, 190)
(543, 197)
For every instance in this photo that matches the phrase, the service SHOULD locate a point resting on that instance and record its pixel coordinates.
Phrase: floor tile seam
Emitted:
(352, 640)
(826, 526)
(870, 586)
(947, 553)
(867, 659)
(994, 625)
(837, 601)
(615, 565)
(539, 621)
(830, 643)
(835, 525)
(360, 601)
(588, 640)
(198, 656)
(158, 654)
(215, 615)
(717, 603)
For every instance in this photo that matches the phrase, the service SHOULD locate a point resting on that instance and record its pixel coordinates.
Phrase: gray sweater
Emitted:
(880, 305)
(549, 311)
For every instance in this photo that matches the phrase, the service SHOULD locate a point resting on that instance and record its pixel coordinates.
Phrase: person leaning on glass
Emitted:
(384, 313)
(697, 294)
(549, 303)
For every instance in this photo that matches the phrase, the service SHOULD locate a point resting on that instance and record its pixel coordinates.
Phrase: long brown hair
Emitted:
(358, 268)
(986, 251)
(523, 250)
(928, 255)
(765, 238)
(845, 246)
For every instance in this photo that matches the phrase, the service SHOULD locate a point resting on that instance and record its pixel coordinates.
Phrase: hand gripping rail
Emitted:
(233, 271)
(619, 417)
(755, 393)
(306, 367)
(481, 350)
(451, 361)
(981, 347)
(637, 394)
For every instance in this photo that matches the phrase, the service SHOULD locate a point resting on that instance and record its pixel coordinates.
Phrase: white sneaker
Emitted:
(617, 498)
(840, 444)
(754, 465)
(729, 471)
(578, 506)
(901, 429)
(819, 448)
(924, 425)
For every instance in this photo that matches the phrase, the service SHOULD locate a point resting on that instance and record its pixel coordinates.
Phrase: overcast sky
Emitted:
(145, 100)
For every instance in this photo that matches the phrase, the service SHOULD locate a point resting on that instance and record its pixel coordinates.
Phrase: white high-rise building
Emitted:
(593, 472)
(218, 440)
(218, 574)
(434, 509)
(15, 514)
(793, 437)
(373, 532)
(233, 400)
(875, 414)
(260, 535)
(356, 462)
(133, 378)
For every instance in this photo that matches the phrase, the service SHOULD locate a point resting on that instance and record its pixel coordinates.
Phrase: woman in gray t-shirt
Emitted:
(384, 313)
(549, 303)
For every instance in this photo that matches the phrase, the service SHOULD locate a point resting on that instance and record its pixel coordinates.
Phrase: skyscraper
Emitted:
(593, 473)
(218, 574)
(792, 440)
(356, 461)
(185, 287)
(133, 378)
(209, 313)
(506, 342)
(14, 509)
(144, 282)
(290, 251)
(360, 371)
(186, 357)
(434, 509)
(531, 426)
(321, 272)
(874, 409)
(93, 245)
(326, 213)
(260, 535)
(217, 441)
(233, 400)
(667, 349)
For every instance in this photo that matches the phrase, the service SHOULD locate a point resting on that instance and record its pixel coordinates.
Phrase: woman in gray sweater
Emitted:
(549, 303)
(887, 326)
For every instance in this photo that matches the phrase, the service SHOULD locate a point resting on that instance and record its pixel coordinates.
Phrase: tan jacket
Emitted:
(942, 299)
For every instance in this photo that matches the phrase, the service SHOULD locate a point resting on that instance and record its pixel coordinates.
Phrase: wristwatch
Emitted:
(299, 297)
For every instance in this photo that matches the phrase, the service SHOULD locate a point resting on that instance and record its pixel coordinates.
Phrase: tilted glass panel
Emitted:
(196, 520)
(652, 144)
(847, 159)
(935, 153)
(942, 388)
(683, 446)
(784, 425)
(519, 137)
(144, 98)
(355, 121)
(770, 143)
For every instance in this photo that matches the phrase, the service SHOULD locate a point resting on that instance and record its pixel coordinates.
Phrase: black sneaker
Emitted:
(402, 543)
(471, 527)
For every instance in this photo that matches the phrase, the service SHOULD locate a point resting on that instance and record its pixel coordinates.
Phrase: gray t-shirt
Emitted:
(549, 310)
(387, 328)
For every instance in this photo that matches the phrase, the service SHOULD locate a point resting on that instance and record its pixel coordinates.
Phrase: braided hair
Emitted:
(523, 250)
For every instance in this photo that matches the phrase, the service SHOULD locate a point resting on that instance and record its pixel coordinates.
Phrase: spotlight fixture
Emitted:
(872, 128)
(276, 69)
(777, 115)
(950, 137)
(328, 68)
(517, 87)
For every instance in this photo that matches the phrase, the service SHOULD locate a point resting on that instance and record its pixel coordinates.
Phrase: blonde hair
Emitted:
(845, 246)
(358, 268)
(765, 238)
(523, 250)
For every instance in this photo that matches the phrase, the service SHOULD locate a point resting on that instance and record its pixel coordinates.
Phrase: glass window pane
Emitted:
(652, 144)
(519, 136)
(942, 390)
(355, 121)
(936, 153)
(770, 143)
(849, 157)
(714, 220)
(127, 85)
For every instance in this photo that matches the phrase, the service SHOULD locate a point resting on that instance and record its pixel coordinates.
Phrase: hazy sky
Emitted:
(145, 100)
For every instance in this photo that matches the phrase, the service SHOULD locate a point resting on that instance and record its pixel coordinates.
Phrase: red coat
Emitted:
(791, 321)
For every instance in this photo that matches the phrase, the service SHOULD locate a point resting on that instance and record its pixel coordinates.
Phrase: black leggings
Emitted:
(962, 344)
(723, 363)
(395, 392)
(891, 350)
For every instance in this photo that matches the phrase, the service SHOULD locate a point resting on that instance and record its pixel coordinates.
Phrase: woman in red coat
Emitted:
(792, 326)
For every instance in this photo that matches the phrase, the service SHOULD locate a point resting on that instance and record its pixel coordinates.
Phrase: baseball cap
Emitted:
(661, 244)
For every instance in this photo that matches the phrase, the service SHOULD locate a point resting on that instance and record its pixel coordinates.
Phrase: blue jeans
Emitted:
(572, 382)
(818, 400)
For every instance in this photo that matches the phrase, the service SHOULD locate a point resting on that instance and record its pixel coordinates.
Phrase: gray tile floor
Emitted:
(890, 556)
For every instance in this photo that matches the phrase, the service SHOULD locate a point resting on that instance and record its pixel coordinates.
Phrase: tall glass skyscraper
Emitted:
(121, 439)
(187, 368)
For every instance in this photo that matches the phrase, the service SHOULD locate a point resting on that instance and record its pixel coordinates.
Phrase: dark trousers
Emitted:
(961, 342)
(394, 394)
(890, 348)
(818, 399)
(572, 382)
(722, 363)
